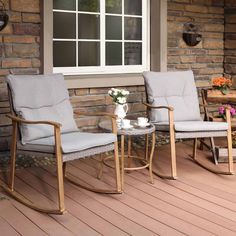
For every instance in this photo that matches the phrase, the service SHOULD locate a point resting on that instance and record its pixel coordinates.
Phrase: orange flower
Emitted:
(221, 82)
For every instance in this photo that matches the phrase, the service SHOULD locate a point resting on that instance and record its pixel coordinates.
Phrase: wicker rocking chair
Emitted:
(42, 119)
(173, 107)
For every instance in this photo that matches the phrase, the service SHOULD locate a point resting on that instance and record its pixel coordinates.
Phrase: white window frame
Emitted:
(109, 69)
(158, 50)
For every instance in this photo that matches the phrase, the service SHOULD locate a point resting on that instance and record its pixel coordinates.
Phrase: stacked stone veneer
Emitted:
(97, 100)
(206, 59)
(230, 39)
(20, 53)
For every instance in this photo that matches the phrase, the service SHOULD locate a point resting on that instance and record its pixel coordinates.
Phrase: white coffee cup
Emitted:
(125, 123)
(142, 121)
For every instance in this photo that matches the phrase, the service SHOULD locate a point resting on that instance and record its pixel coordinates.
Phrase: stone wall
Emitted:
(19, 50)
(97, 100)
(20, 53)
(230, 39)
(205, 59)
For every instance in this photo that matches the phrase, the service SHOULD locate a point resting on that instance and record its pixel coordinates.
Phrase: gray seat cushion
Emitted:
(41, 97)
(176, 89)
(193, 126)
(76, 141)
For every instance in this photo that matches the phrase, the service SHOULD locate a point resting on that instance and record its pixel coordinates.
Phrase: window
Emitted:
(100, 36)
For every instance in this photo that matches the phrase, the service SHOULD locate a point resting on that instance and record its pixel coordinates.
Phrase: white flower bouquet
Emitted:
(119, 96)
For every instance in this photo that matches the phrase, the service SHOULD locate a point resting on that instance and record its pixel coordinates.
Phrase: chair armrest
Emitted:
(170, 116)
(56, 125)
(46, 122)
(158, 107)
(110, 115)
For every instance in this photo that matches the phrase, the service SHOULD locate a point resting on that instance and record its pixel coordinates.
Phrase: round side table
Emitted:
(134, 131)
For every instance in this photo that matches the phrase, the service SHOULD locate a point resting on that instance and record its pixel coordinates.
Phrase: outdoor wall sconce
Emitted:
(191, 36)
(3, 16)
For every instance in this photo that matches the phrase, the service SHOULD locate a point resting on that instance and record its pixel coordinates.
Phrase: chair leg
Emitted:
(100, 171)
(173, 150)
(195, 149)
(173, 156)
(230, 152)
(13, 157)
(60, 174)
(64, 169)
(230, 158)
(10, 187)
(117, 169)
(118, 188)
(122, 164)
(213, 149)
(151, 156)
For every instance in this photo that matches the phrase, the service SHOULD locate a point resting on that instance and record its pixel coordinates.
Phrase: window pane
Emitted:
(133, 7)
(88, 26)
(114, 6)
(133, 53)
(64, 5)
(64, 25)
(113, 27)
(89, 54)
(113, 53)
(89, 5)
(133, 28)
(64, 54)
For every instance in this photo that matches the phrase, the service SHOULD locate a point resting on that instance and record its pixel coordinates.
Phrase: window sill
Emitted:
(100, 81)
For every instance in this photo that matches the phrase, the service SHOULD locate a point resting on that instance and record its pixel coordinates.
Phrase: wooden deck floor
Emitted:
(198, 203)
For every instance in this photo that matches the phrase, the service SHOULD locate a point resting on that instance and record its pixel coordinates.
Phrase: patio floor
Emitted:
(198, 203)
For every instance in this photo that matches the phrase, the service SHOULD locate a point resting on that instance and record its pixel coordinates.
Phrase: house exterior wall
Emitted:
(20, 53)
(206, 59)
(230, 39)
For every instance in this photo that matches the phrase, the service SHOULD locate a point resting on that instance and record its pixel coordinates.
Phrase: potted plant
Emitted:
(221, 91)
(223, 84)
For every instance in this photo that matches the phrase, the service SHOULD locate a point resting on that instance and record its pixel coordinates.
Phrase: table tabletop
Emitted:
(134, 130)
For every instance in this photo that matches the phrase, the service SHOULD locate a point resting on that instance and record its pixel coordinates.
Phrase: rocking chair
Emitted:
(42, 119)
(173, 107)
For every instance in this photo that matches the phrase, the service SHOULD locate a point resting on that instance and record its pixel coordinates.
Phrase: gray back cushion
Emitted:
(176, 89)
(41, 97)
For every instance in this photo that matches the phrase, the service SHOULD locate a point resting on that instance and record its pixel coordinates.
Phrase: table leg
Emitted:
(146, 147)
(129, 152)
(122, 160)
(151, 156)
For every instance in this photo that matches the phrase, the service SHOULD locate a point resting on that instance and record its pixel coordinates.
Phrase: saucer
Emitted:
(127, 127)
(142, 126)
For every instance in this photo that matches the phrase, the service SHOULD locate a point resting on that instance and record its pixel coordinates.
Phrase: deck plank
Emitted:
(144, 193)
(198, 203)
(102, 226)
(19, 221)
(151, 212)
(102, 209)
(6, 229)
(169, 204)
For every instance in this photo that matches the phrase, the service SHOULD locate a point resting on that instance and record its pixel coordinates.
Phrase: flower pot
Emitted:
(192, 38)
